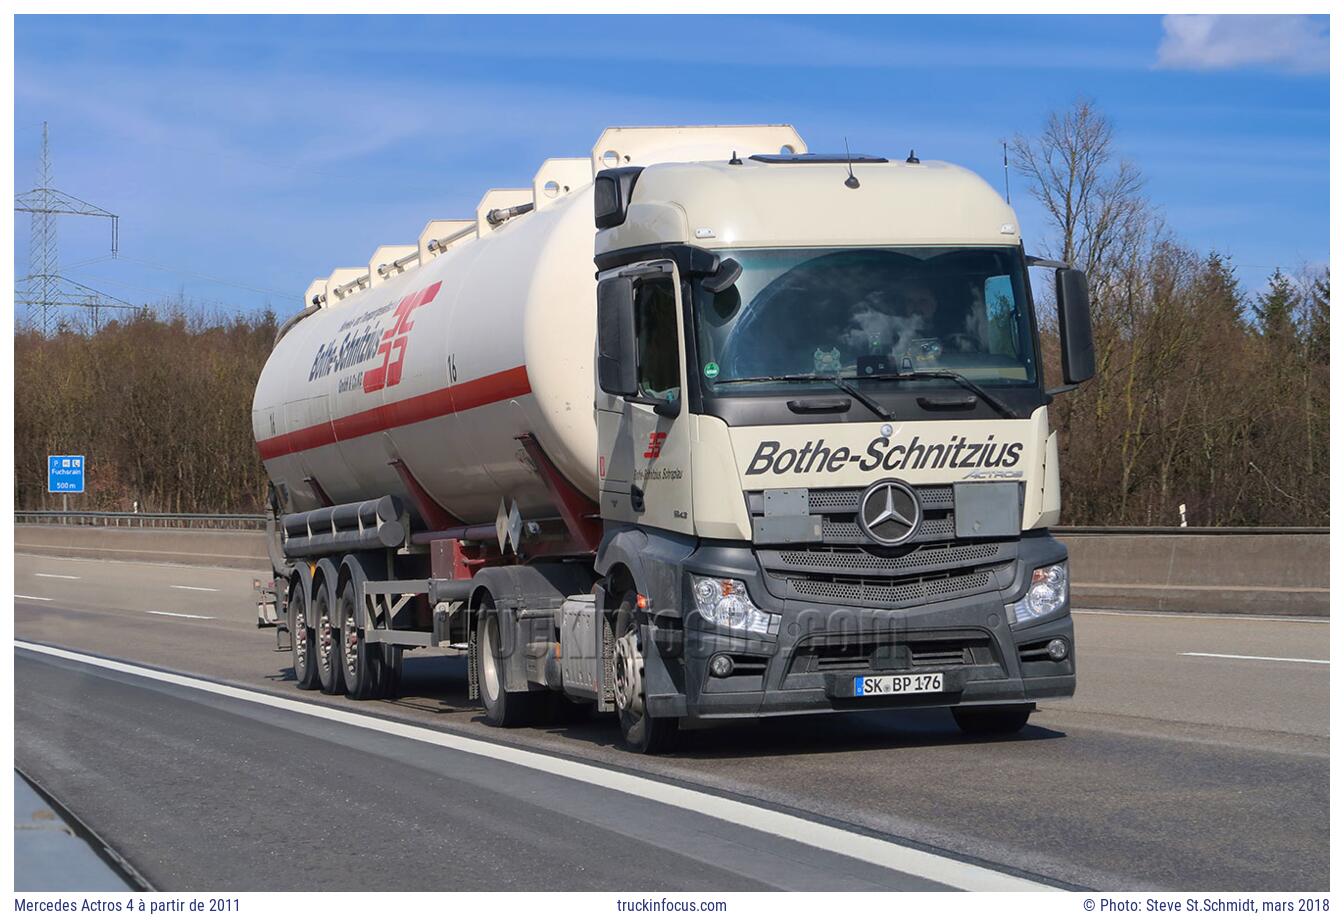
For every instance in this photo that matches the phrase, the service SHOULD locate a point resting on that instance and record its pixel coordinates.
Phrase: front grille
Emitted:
(846, 567)
(885, 593)
(933, 650)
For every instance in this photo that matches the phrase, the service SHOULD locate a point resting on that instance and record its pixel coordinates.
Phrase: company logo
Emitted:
(655, 447)
(359, 345)
(388, 374)
(957, 453)
(889, 512)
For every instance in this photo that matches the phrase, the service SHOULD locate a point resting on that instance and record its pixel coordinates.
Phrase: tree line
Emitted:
(159, 403)
(1205, 396)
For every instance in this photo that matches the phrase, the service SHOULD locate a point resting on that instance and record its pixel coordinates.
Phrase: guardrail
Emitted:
(143, 519)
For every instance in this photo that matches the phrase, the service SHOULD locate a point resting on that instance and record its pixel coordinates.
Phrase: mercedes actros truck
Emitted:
(700, 427)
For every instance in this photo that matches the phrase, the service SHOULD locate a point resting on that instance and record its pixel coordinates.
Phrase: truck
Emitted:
(700, 427)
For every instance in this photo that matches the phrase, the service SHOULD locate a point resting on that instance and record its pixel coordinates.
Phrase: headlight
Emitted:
(1048, 593)
(724, 602)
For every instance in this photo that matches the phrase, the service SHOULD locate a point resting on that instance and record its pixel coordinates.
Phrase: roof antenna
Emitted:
(1007, 195)
(735, 160)
(912, 158)
(852, 181)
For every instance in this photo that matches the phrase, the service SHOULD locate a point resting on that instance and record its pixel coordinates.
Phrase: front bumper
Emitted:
(810, 664)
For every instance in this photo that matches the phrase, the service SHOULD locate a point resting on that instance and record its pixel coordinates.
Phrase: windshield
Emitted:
(869, 312)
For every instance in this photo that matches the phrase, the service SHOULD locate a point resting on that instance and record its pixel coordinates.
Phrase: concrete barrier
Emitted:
(229, 549)
(1244, 572)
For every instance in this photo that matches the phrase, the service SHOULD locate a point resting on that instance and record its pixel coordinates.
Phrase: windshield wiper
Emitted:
(993, 401)
(837, 381)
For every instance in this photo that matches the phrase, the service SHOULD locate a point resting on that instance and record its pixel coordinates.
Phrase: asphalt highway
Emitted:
(1194, 757)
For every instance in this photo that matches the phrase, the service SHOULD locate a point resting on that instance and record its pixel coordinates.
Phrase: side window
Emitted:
(1001, 310)
(656, 338)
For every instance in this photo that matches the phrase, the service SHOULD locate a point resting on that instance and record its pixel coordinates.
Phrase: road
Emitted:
(1171, 768)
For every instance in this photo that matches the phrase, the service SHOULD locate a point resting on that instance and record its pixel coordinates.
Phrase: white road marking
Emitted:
(897, 857)
(1257, 658)
(49, 575)
(29, 597)
(192, 588)
(1319, 621)
(185, 616)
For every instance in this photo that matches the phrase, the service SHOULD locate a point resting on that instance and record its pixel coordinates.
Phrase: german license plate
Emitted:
(898, 683)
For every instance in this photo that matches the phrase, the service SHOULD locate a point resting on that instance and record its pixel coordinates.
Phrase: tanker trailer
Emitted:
(684, 432)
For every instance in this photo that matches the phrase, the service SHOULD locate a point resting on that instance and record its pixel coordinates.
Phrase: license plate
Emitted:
(898, 683)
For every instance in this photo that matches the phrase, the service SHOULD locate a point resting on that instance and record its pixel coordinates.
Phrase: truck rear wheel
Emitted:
(503, 707)
(993, 720)
(362, 661)
(642, 732)
(327, 643)
(301, 641)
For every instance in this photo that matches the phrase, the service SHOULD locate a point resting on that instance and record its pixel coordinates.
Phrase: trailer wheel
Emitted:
(301, 641)
(644, 733)
(993, 720)
(503, 707)
(327, 643)
(361, 661)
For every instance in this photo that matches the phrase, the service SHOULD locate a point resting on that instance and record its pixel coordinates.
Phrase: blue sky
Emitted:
(247, 155)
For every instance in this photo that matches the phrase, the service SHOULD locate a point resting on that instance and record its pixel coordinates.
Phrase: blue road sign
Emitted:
(65, 473)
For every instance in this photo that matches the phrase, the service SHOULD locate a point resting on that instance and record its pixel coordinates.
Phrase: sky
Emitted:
(248, 155)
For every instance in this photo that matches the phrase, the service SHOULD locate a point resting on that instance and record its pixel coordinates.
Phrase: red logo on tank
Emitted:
(388, 374)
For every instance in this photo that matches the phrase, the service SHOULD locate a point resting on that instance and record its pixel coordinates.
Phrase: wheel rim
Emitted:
(351, 644)
(630, 674)
(489, 668)
(299, 640)
(324, 636)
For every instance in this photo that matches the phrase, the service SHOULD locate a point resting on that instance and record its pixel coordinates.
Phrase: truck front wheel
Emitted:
(644, 733)
(993, 720)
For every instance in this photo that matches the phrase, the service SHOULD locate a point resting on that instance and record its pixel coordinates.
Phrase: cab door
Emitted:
(643, 435)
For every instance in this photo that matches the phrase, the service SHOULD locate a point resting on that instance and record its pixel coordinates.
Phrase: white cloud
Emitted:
(1298, 44)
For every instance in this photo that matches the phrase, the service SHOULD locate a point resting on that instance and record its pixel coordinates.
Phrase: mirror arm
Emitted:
(1038, 261)
(1066, 388)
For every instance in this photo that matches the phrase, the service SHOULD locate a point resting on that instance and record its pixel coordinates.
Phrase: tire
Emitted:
(327, 643)
(301, 641)
(361, 662)
(391, 684)
(504, 708)
(641, 732)
(993, 720)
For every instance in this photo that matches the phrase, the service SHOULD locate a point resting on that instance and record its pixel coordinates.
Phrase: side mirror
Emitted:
(1077, 356)
(729, 271)
(616, 373)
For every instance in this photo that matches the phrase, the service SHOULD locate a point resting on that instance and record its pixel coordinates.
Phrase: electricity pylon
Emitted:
(45, 291)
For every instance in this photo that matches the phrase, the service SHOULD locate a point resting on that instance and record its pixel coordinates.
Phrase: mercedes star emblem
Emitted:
(889, 512)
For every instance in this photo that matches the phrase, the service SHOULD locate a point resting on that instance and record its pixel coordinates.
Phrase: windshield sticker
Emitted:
(711, 370)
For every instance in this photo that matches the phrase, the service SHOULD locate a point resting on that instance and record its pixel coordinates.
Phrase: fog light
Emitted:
(720, 666)
(1058, 650)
